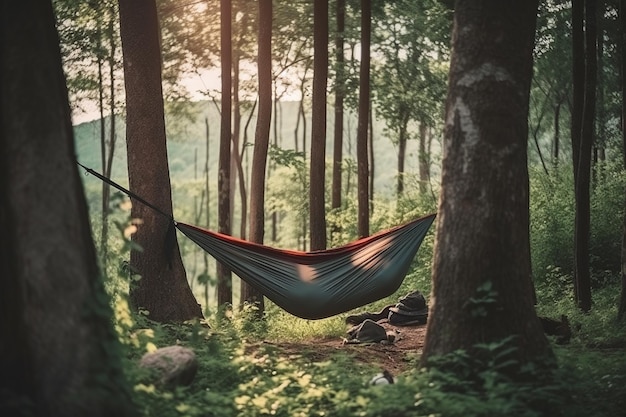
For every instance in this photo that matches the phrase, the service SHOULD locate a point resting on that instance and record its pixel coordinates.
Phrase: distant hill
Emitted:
(186, 132)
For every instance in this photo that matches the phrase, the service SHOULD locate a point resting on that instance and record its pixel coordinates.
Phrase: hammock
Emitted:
(312, 285)
(320, 284)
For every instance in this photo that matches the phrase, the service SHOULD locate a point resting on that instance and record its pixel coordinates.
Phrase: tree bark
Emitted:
(224, 277)
(582, 278)
(424, 159)
(621, 312)
(482, 288)
(317, 205)
(402, 142)
(363, 196)
(261, 143)
(163, 291)
(339, 98)
(59, 354)
(557, 134)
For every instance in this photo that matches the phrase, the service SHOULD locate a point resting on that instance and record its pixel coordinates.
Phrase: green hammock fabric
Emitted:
(320, 284)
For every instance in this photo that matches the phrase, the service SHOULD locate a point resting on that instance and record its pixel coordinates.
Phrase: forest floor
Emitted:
(394, 357)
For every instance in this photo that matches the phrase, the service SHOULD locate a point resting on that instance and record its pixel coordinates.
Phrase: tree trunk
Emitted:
(482, 288)
(237, 177)
(583, 168)
(261, 143)
(424, 157)
(621, 312)
(162, 291)
(557, 134)
(339, 98)
(402, 139)
(105, 187)
(317, 204)
(107, 168)
(370, 153)
(363, 196)
(59, 354)
(224, 277)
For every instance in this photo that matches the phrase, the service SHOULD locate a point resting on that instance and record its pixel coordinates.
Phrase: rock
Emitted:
(173, 365)
(367, 332)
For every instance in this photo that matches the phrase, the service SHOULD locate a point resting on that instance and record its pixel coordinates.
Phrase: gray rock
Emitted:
(172, 365)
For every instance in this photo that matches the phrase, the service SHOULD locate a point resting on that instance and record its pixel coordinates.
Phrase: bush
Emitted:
(552, 223)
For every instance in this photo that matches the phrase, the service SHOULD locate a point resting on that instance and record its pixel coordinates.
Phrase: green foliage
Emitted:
(552, 223)
(484, 303)
(596, 380)
(595, 329)
(489, 382)
(248, 369)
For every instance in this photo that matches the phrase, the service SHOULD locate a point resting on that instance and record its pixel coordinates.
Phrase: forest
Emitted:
(313, 208)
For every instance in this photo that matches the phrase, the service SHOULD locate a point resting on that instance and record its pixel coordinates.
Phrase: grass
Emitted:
(241, 374)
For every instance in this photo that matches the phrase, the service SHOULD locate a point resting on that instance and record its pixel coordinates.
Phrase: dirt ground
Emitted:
(394, 357)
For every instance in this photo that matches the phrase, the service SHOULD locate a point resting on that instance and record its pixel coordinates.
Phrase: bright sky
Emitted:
(196, 83)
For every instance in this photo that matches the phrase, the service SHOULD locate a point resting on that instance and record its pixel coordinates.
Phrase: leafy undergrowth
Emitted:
(252, 369)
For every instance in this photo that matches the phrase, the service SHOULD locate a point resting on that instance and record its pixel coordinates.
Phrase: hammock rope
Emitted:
(319, 284)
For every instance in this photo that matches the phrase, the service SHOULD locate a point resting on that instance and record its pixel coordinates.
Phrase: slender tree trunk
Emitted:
(339, 98)
(370, 153)
(599, 139)
(261, 142)
(424, 159)
(402, 139)
(482, 288)
(363, 173)
(557, 134)
(236, 172)
(59, 355)
(583, 169)
(578, 79)
(621, 312)
(104, 231)
(207, 209)
(224, 278)
(296, 129)
(105, 204)
(108, 168)
(162, 291)
(317, 187)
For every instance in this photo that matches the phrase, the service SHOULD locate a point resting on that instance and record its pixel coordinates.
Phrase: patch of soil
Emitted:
(395, 357)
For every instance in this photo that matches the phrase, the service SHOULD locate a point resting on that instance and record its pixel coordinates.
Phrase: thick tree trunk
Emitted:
(261, 143)
(224, 277)
(363, 174)
(482, 288)
(163, 291)
(317, 205)
(59, 354)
